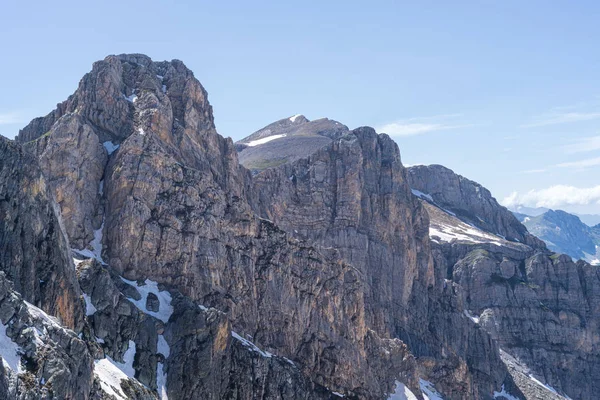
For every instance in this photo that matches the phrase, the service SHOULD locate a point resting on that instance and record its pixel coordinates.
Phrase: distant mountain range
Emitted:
(588, 219)
(565, 233)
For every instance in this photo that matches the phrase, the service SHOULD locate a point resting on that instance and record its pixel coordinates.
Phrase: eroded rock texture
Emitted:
(34, 252)
(469, 201)
(172, 204)
(311, 275)
(540, 307)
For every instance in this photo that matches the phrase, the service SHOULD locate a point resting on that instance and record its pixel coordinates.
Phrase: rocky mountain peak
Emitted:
(317, 277)
(566, 233)
(122, 93)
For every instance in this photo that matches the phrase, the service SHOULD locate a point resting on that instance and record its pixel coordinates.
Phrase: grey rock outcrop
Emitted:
(353, 195)
(41, 359)
(34, 251)
(538, 306)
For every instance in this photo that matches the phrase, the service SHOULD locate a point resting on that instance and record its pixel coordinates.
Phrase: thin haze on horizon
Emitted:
(504, 93)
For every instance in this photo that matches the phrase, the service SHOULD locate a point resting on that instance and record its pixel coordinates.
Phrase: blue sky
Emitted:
(506, 93)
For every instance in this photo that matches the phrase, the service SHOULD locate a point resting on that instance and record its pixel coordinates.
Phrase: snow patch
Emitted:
(293, 118)
(77, 261)
(401, 392)
(9, 351)
(422, 195)
(265, 140)
(161, 375)
(111, 373)
(548, 387)
(462, 232)
(89, 307)
(132, 99)
(96, 245)
(251, 345)
(163, 347)
(469, 315)
(127, 365)
(141, 131)
(429, 391)
(165, 308)
(161, 382)
(504, 395)
(41, 315)
(526, 219)
(110, 147)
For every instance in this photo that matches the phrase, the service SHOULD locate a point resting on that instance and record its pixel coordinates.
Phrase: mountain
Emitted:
(528, 299)
(468, 201)
(589, 219)
(287, 140)
(531, 211)
(566, 233)
(144, 256)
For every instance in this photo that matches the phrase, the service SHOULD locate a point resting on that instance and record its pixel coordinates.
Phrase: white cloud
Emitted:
(556, 196)
(9, 118)
(588, 162)
(561, 118)
(584, 144)
(418, 126)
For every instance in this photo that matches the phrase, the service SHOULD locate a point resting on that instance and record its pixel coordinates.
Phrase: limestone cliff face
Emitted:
(167, 199)
(542, 310)
(320, 275)
(540, 307)
(353, 195)
(34, 252)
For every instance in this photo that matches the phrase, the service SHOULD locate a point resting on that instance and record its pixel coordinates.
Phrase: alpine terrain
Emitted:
(144, 256)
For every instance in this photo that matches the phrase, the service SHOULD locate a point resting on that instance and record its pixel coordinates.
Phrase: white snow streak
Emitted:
(429, 392)
(469, 315)
(401, 392)
(161, 382)
(422, 195)
(251, 345)
(265, 140)
(550, 388)
(161, 376)
(293, 118)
